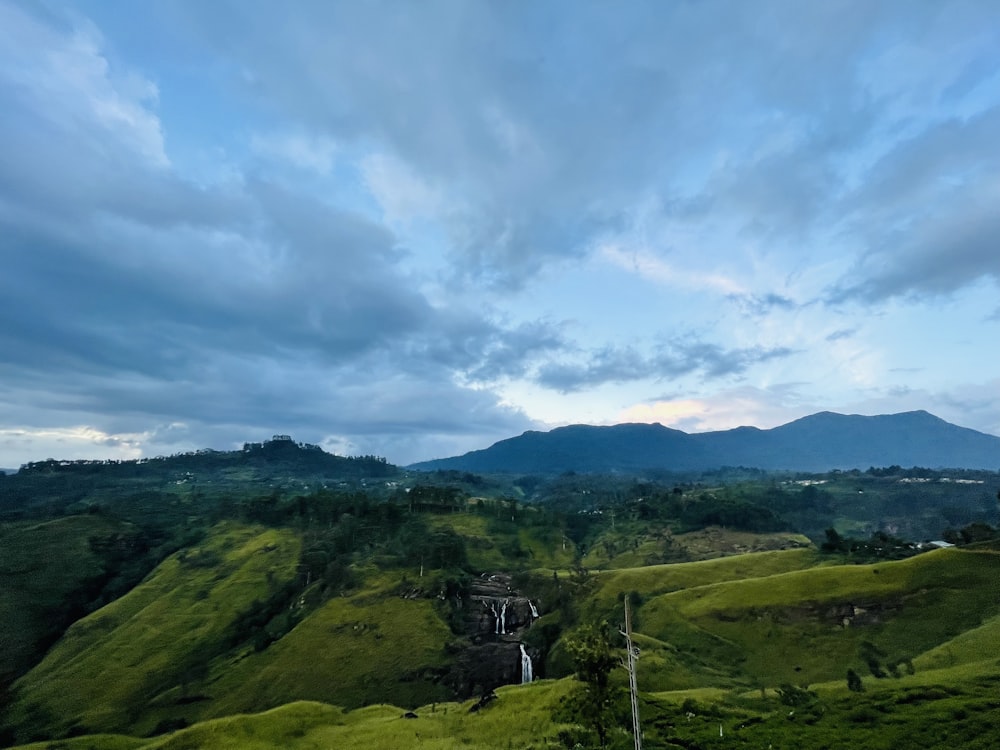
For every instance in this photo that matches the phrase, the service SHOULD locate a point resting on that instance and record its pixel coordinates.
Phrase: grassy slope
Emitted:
(976, 645)
(159, 653)
(90, 742)
(787, 627)
(108, 665)
(717, 627)
(374, 646)
(655, 580)
(631, 546)
(939, 710)
(933, 711)
(41, 565)
(541, 548)
(521, 717)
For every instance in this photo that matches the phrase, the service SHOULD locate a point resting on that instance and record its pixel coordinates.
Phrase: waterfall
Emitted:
(534, 612)
(526, 675)
(500, 627)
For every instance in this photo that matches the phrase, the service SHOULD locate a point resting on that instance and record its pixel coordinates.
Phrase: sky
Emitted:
(412, 229)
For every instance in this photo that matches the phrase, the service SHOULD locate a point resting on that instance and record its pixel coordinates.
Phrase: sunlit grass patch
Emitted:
(108, 665)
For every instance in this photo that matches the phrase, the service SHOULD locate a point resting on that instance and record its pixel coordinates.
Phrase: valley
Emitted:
(275, 598)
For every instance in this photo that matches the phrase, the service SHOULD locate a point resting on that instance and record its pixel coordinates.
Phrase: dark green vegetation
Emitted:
(281, 597)
(821, 442)
(56, 571)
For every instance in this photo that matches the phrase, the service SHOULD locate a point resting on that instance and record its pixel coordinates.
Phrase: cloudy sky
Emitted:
(415, 228)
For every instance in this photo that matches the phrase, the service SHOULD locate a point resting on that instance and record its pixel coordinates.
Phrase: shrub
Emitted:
(854, 683)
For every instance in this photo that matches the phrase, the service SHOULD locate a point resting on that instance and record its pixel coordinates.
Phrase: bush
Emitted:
(854, 683)
(797, 697)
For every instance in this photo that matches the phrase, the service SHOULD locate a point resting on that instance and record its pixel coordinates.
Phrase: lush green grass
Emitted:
(288, 726)
(936, 711)
(108, 665)
(789, 628)
(482, 547)
(975, 645)
(492, 544)
(368, 648)
(43, 565)
(654, 580)
(717, 639)
(636, 544)
(521, 717)
(723, 633)
(90, 742)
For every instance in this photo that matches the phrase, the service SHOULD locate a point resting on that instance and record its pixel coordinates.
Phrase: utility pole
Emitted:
(633, 653)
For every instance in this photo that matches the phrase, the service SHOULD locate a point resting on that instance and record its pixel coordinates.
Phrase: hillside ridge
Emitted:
(823, 441)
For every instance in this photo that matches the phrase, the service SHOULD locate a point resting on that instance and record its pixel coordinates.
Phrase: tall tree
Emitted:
(595, 703)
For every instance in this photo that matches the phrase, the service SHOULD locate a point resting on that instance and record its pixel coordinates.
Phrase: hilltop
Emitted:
(208, 477)
(820, 442)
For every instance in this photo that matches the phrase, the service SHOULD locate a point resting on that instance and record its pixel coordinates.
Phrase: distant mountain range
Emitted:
(820, 442)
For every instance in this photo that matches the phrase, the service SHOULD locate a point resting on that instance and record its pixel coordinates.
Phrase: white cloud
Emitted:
(724, 410)
(401, 193)
(656, 270)
(18, 445)
(65, 79)
(314, 153)
(667, 178)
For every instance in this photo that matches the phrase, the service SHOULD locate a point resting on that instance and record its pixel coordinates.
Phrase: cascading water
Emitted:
(500, 618)
(526, 672)
(534, 612)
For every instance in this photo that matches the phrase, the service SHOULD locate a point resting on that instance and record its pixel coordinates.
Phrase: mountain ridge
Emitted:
(822, 441)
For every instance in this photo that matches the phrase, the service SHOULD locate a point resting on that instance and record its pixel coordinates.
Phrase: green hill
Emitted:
(51, 572)
(812, 625)
(352, 651)
(321, 618)
(171, 487)
(111, 664)
(728, 642)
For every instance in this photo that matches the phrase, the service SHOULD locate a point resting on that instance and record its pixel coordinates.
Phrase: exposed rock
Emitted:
(852, 614)
(494, 618)
(483, 667)
(493, 608)
(483, 702)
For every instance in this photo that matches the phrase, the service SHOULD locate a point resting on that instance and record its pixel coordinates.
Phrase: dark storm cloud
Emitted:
(132, 297)
(608, 365)
(717, 361)
(944, 254)
(625, 364)
(510, 352)
(140, 295)
(950, 172)
(301, 275)
(554, 118)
